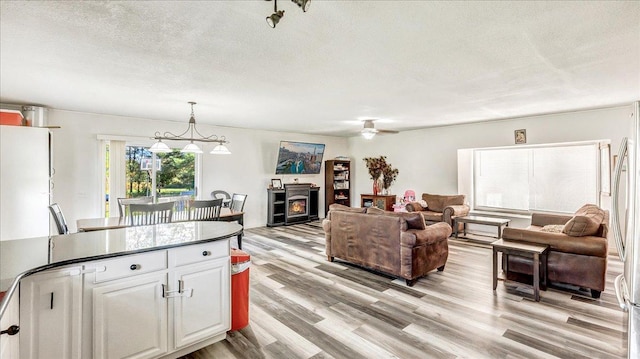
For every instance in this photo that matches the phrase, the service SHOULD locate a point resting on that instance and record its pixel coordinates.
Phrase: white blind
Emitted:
(502, 179)
(551, 178)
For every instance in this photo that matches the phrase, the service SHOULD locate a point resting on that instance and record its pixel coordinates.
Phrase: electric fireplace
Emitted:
(297, 202)
(297, 206)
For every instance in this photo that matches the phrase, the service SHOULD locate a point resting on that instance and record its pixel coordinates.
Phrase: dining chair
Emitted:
(226, 198)
(151, 213)
(180, 206)
(58, 218)
(123, 203)
(237, 202)
(207, 210)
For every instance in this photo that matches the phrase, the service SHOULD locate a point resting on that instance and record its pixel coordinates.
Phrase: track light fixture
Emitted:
(274, 19)
(304, 4)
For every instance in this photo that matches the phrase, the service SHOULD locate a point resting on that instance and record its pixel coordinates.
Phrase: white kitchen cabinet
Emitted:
(10, 344)
(156, 303)
(24, 189)
(160, 303)
(195, 315)
(130, 318)
(50, 314)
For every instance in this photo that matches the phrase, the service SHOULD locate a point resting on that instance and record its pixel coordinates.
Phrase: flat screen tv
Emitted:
(299, 158)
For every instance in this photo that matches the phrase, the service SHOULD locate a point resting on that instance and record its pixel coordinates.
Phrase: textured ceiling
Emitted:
(411, 64)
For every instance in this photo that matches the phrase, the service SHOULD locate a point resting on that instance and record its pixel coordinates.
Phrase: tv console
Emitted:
(295, 203)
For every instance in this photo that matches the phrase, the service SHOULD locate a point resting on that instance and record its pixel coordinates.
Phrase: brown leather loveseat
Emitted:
(440, 208)
(578, 247)
(399, 244)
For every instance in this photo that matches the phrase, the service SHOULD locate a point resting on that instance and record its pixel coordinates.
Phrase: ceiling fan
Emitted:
(369, 131)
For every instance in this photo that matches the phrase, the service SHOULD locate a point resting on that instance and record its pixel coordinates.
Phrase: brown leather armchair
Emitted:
(578, 248)
(440, 208)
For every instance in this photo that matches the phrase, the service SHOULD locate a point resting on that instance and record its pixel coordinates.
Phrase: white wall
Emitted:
(427, 158)
(249, 169)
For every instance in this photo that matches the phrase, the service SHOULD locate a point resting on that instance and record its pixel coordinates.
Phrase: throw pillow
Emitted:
(415, 220)
(414, 207)
(585, 222)
(579, 226)
(553, 228)
(375, 210)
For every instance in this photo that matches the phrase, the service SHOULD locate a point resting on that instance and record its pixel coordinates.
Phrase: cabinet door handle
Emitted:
(12, 330)
(206, 253)
(134, 267)
(51, 300)
(181, 292)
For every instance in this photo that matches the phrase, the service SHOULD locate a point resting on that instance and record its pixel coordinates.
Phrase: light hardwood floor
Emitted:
(305, 307)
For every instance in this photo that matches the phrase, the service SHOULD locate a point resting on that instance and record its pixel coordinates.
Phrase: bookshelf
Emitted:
(337, 182)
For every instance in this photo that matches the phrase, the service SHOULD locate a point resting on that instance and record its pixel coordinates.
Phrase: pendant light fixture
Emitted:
(191, 147)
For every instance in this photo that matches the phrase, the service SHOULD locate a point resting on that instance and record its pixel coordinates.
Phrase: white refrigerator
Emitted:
(24, 182)
(626, 227)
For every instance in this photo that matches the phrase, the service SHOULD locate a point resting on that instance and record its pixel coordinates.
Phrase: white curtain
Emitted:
(117, 175)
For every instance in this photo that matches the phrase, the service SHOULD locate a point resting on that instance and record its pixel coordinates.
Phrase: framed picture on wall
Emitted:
(276, 183)
(521, 136)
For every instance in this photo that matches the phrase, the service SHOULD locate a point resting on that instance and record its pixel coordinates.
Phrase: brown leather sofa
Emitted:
(440, 208)
(399, 244)
(578, 248)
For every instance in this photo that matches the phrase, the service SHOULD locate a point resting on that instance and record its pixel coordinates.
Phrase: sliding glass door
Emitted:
(165, 176)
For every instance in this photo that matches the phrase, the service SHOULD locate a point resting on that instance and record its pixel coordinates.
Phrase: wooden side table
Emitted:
(487, 221)
(538, 252)
(382, 201)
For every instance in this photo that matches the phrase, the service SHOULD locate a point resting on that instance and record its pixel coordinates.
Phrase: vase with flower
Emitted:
(375, 166)
(389, 175)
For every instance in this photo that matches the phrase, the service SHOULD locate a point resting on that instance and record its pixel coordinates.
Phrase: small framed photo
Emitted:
(521, 136)
(276, 183)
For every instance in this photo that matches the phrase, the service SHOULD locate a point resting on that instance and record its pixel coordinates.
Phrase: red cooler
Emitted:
(240, 262)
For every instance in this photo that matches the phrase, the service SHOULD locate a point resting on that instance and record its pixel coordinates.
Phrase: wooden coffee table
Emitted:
(488, 221)
(538, 252)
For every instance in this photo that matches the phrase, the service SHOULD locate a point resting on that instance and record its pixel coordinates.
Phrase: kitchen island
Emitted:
(144, 292)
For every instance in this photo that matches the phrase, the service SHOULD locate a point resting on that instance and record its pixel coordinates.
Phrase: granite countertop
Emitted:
(22, 257)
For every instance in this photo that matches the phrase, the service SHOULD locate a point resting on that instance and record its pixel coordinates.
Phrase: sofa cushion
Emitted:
(585, 222)
(432, 216)
(438, 203)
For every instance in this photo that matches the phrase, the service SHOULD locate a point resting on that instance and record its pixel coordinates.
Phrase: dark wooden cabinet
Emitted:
(337, 183)
(314, 203)
(296, 203)
(276, 209)
(382, 201)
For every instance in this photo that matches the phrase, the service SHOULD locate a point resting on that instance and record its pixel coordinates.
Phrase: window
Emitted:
(555, 178)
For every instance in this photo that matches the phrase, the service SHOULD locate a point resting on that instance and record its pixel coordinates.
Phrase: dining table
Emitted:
(102, 223)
